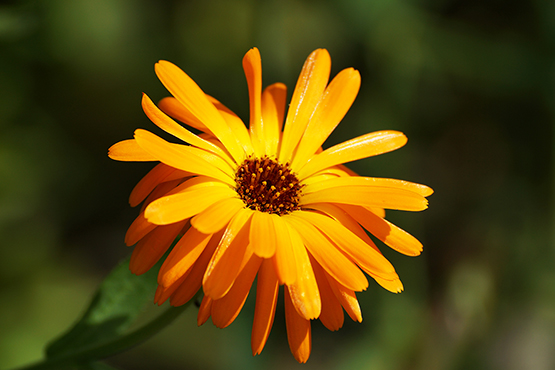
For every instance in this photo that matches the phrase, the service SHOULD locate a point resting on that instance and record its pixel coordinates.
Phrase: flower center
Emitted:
(268, 186)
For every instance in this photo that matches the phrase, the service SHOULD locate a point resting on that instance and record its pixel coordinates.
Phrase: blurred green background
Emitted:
(471, 83)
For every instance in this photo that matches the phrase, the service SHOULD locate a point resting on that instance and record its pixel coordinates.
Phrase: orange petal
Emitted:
(336, 182)
(263, 234)
(173, 108)
(298, 331)
(159, 174)
(253, 72)
(364, 146)
(193, 282)
(327, 254)
(332, 313)
(138, 229)
(308, 91)
(163, 293)
(182, 157)
(153, 246)
(394, 286)
(334, 104)
(188, 203)
(170, 126)
(304, 291)
(273, 108)
(284, 258)
(130, 151)
(236, 125)
(265, 309)
(188, 93)
(183, 255)
(365, 256)
(368, 196)
(226, 261)
(204, 310)
(384, 230)
(226, 309)
(217, 216)
(347, 298)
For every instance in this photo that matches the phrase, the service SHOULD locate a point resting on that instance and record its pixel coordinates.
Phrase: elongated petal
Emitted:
(364, 146)
(204, 310)
(130, 151)
(170, 126)
(284, 260)
(217, 216)
(253, 71)
(369, 196)
(265, 309)
(308, 91)
(263, 234)
(181, 157)
(332, 313)
(226, 261)
(364, 255)
(334, 104)
(163, 293)
(193, 282)
(153, 246)
(273, 107)
(304, 291)
(138, 229)
(173, 108)
(347, 298)
(384, 230)
(236, 125)
(159, 174)
(176, 207)
(226, 309)
(394, 286)
(188, 93)
(183, 255)
(327, 255)
(298, 330)
(336, 182)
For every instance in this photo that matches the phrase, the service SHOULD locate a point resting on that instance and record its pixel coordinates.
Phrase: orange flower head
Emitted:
(265, 202)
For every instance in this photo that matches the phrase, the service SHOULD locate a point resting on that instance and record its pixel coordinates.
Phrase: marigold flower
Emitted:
(265, 201)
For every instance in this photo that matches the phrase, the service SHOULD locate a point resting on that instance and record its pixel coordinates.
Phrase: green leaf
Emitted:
(120, 298)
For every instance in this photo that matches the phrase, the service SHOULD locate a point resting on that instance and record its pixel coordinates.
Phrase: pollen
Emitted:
(268, 186)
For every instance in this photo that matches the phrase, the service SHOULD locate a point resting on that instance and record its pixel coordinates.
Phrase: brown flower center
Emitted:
(268, 186)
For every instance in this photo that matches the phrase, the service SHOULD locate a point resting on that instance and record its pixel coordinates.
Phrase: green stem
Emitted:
(103, 350)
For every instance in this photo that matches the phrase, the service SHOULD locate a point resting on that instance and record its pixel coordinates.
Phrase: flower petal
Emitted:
(273, 109)
(226, 309)
(236, 125)
(170, 126)
(327, 254)
(298, 330)
(335, 182)
(217, 216)
(263, 234)
(130, 151)
(368, 196)
(332, 314)
(227, 259)
(204, 310)
(391, 235)
(253, 72)
(304, 291)
(159, 174)
(334, 104)
(308, 91)
(193, 282)
(364, 255)
(188, 93)
(183, 255)
(188, 203)
(182, 157)
(173, 108)
(284, 258)
(347, 298)
(265, 308)
(153, 246)
(364, 146)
